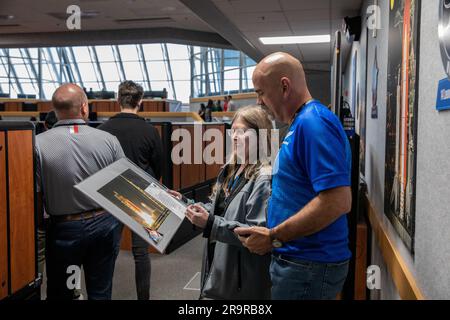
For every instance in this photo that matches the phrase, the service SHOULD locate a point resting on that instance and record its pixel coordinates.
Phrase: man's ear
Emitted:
(85, 109)
(285, 84)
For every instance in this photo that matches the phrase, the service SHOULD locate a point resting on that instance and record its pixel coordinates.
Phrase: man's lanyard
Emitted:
(298, 111)
(236, 179)
(232, 183)
(70, 124)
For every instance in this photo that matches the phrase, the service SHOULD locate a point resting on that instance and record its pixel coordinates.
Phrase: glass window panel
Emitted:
(128, 53)
(33, 53)
(14, 55)
(49, 89)
(28, 88)
(3, 70)
(181, 70)
(81, 54)
(14, 90)
(160, 85)
(133, 71)
(109, 71)
(30, 69)
(55, 54)
(249, 61)
(178, 51)
(92, 85)
(21, 71)
(105, 53)
(48, 72)
(249, 83)
(153, 51)
(87, 72)
(112, 85)
(230, 54)
(183, 90)
(231, 80)
(156, 70)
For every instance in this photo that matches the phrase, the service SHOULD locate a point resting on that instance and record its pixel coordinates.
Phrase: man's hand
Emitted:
(256, 239)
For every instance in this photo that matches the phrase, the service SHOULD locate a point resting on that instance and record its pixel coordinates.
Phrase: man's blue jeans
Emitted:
(294, 279)
(91, 243)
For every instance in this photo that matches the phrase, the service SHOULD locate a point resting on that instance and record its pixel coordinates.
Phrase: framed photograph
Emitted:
(137, 200)
(401, 117)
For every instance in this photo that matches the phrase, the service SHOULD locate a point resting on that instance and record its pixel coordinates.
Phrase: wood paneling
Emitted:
(103, 106)
(45, 106)
(155, 106)
(403, 279)
(3, 222)
(22, 224)
(13, 106)
(192, 173)
(361, 261)
(125, 243)
(212, 170)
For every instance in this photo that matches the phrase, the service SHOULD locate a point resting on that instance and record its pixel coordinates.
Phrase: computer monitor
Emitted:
(107, 95)
(155, 94)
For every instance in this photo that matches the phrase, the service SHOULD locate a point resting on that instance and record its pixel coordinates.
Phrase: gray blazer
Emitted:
(233, 272)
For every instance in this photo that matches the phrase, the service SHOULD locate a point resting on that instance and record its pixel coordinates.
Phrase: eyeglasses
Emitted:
(240, 132)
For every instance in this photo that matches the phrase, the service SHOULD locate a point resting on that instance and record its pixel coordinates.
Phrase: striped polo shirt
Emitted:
(66, 155)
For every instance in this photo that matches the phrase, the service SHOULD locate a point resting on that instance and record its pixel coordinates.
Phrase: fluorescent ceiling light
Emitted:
(324, 38)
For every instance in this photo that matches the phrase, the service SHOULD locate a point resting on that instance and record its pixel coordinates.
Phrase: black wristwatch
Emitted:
(276, 243)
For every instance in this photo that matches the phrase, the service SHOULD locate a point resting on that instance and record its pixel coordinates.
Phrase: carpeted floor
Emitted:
(174, 276)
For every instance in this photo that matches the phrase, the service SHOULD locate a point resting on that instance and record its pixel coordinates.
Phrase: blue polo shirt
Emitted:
(314, 156)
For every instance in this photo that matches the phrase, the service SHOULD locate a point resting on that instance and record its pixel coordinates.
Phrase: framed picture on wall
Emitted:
(401, 117)
(374, 109)
(362, 102)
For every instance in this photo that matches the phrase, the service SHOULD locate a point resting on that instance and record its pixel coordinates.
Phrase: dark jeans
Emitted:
(90, 243)
(142, 266)
(294, 279)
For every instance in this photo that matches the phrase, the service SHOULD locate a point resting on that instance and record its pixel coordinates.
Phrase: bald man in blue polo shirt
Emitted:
(307, 224)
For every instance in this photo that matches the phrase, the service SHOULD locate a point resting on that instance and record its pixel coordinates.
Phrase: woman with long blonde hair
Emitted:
(239, 198)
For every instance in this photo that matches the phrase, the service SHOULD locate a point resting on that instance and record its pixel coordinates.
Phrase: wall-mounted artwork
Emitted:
(401, 117)
(354, 81)
(374, 109)
(362, 102)
(444, 34)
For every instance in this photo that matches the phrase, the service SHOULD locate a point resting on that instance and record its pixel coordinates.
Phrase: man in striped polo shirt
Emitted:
(80, 233)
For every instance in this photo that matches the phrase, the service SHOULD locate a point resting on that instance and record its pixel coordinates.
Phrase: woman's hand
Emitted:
(197, 215)
(175, 194)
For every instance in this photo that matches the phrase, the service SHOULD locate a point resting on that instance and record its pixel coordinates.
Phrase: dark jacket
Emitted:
(229, 270)
(139, 139)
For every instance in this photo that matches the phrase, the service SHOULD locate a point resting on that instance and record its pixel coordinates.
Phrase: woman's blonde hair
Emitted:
(254, 117)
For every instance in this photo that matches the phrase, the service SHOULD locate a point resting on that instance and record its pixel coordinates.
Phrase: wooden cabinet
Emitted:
(18, 267)
(4, 282)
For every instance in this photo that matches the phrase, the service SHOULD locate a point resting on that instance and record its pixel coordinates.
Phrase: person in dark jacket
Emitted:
(141, 144)
(202, 111)
(229, 270)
